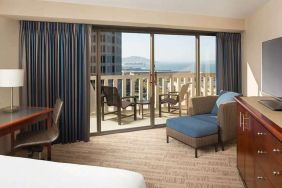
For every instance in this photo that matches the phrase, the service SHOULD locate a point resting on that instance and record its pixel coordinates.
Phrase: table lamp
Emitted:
(11, 78)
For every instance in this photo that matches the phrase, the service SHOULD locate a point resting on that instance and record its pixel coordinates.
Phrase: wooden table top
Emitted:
(24, 113)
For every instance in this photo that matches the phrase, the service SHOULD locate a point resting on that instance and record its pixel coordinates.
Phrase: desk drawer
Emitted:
(261, 180)
(275, 149)
(272, 170)
(267, 154)
(260, 134)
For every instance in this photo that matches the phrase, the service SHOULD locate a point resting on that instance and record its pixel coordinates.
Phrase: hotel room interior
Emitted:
(141, 93)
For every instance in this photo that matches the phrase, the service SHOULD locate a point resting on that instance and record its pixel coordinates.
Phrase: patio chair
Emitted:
(111, 97)
(173, 98)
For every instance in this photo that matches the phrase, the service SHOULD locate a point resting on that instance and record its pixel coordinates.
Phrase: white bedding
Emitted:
(29, 173)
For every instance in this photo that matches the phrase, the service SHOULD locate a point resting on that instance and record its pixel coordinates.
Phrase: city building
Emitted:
(110, 53)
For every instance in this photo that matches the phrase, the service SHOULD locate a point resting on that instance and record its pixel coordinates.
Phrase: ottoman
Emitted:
(196, 131)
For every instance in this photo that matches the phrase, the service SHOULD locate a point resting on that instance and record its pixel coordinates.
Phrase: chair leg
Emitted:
(49, 152)
(220, 140)
(187, 105)
(179, 106)
(103, 112)
(160, 109)
(119, 115)
(196, 153)
(30, 154)
(39, 155)
(167, 139)
(215, 147)
(135, 111)
(168, 107)
(222, 146)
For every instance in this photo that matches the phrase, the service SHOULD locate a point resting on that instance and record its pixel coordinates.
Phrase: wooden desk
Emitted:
(10, 122)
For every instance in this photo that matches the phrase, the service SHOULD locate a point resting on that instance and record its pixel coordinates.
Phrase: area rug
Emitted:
(163, 165)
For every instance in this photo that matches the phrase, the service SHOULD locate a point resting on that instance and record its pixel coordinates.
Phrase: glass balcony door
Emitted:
(175, 66)
(208, 65)
(151, 69)
(123, 95)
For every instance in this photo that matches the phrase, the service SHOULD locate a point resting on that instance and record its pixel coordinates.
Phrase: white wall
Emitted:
(8, 59)
(105, 15)
(263, 25)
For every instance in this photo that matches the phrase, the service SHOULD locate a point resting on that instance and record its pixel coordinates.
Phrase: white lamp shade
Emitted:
(11, 77)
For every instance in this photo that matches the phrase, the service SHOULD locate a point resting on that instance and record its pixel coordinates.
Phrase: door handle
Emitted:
(243, 122)
(246, 123)
(262, 152)
(156, 78)
(240, 123)
(276, 173)
(276, 150)
(261, 178)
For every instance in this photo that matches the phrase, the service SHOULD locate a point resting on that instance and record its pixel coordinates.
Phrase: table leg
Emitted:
(12, 142)
(49, 152)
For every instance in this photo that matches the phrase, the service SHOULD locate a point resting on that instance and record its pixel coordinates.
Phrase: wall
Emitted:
(263, 25)
(67, 12)
(8, 59)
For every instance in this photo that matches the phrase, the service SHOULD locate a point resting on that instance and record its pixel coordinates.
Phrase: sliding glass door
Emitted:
(142, 79)
(123, 87)
(208, 65)
(175, 66)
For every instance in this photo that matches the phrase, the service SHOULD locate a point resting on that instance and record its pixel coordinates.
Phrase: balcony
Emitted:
(137, 84)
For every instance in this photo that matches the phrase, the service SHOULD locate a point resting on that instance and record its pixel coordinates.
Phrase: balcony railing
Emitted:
(137, 84)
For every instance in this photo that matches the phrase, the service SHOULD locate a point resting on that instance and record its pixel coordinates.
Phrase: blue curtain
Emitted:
(56, 57)
(228, 67)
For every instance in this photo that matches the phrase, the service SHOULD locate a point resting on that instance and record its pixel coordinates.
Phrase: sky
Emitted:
(168, 48)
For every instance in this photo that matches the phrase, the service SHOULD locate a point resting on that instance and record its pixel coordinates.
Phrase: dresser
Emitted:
(259, 144)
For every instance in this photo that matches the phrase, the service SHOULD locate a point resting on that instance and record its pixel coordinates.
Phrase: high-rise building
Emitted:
(110, 45)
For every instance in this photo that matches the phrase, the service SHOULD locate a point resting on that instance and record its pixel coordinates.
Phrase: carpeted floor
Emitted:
(163, 165)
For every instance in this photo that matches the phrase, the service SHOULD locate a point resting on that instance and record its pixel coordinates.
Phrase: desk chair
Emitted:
(35, 141)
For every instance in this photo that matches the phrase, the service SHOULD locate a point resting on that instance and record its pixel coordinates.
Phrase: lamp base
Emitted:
(11, 110)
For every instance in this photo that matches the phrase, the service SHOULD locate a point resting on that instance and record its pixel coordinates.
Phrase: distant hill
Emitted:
(141, 63)
(135, 62)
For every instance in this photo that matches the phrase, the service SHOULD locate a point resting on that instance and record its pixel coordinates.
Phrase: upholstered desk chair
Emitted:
(35, 141)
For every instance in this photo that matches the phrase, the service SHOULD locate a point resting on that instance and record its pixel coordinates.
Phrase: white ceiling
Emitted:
(221, 8)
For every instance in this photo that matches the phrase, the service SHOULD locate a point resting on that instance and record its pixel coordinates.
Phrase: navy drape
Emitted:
(228, 63)
(56, 57)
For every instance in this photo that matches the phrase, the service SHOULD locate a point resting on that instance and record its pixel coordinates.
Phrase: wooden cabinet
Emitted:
(259, 152)
(245, 152)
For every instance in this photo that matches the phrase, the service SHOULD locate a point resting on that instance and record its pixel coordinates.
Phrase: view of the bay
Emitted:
(142, 64)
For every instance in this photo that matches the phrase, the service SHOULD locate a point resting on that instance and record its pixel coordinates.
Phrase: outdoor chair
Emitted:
(111, 97)
(174, 98)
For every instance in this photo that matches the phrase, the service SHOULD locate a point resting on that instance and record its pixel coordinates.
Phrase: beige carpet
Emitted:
(163, 165)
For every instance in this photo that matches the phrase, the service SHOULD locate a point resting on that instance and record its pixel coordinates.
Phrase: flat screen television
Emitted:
(272, 73)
